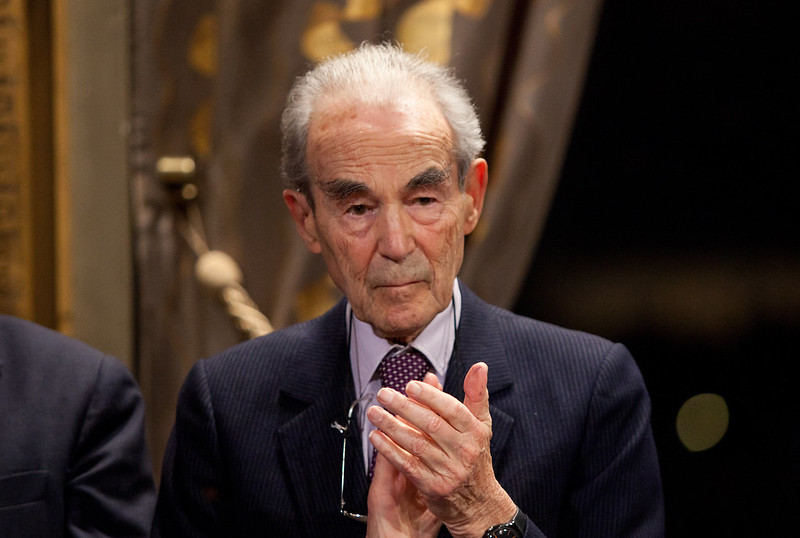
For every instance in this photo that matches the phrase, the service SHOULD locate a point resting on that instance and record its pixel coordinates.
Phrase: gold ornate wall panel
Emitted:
(16, 264)
(26, 194)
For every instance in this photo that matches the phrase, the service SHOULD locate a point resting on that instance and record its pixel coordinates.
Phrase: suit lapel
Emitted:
(319, 387)
(478, 340)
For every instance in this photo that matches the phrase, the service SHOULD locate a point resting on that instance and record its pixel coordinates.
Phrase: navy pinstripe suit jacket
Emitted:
(252, 452)
(73, 460)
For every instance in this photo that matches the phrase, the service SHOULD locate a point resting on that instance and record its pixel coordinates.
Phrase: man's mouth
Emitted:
(398, 284)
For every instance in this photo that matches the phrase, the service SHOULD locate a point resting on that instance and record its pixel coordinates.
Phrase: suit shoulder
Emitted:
(274, 346)
(264, 359)
(25, 345)
(532, 329)
(529, 333)
(527, 339)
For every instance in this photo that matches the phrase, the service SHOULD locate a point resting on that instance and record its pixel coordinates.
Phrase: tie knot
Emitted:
(396, 370)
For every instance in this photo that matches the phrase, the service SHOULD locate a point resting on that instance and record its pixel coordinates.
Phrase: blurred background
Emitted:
(641, 188)
(675, 231)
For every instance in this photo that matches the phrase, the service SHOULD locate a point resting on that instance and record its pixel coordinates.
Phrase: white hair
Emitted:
(373, 73)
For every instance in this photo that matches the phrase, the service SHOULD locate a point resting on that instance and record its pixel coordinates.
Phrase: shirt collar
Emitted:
(435, 341)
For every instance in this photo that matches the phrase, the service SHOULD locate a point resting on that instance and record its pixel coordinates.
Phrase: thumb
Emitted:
(476, 395)
(382, 468)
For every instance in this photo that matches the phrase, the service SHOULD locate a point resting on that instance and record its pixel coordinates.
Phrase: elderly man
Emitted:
(538, 431)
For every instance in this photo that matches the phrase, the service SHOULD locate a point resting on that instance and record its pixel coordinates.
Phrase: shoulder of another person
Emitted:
(35, 347)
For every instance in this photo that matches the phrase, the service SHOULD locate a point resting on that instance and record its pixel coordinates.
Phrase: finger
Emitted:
(476, 395)
(408, 438)
(453, 412)
(429, 413)
(413, 469)
(394, 454)
(432, 380)
(422, 432)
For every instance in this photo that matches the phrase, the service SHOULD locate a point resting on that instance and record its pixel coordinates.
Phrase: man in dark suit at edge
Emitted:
(539, 431)
(73, 460)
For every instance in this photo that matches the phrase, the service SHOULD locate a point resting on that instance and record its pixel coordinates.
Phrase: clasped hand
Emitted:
(434, 464)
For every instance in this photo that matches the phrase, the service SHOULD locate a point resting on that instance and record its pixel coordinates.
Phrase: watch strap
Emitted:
(515, 528)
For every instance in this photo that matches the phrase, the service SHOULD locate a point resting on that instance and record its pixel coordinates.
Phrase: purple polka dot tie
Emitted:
(396, 370)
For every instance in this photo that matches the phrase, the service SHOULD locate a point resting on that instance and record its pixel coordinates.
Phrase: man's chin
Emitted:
(396, 335)
(400, 313)
(400, 327)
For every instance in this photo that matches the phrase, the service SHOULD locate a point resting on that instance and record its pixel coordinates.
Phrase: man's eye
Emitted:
(424, 200)
(357, 209)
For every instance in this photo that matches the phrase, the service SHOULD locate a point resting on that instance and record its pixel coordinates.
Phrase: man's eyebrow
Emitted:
(341, 189)
(431, 177)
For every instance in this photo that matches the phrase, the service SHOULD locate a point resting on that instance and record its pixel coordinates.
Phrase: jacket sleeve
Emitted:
(617, 486)
(189, 501)
(109, 488)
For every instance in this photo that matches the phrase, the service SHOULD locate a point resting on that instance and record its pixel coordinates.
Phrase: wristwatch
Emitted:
(511, 529)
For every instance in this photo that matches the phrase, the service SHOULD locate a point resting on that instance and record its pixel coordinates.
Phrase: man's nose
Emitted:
(395, 233)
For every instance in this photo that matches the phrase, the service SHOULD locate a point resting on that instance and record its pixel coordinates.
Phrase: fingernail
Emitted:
(413, 388)
(374, 414)
(385, 395)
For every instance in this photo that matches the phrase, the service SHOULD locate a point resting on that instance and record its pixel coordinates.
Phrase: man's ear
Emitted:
(475, 188)
(304, 218)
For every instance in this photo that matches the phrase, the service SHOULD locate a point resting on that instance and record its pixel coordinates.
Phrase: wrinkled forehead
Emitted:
(353, 137)
(346, 114)
(410, 99)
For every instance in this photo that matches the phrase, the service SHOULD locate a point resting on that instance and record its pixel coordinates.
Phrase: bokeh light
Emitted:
(702, 421)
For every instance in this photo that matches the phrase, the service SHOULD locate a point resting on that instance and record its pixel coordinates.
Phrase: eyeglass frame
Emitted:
(344, 430)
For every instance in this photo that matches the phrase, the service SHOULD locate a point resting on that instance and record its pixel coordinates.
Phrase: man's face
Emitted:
(389, 218)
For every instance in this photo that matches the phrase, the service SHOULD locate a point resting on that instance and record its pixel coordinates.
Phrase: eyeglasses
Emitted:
(344, 430)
